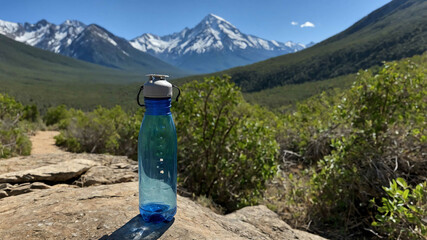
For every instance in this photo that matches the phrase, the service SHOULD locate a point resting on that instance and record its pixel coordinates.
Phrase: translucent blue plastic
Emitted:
(157, 149)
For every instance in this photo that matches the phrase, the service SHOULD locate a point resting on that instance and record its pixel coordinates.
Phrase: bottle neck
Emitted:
(158, 106)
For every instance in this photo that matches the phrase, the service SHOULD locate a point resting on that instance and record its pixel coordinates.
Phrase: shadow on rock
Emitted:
(136, 228)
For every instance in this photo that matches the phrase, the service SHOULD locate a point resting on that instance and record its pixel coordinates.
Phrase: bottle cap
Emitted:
(157, 86)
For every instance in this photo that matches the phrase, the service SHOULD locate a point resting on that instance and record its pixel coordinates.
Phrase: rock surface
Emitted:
(54, 196)
(105, 169)
(108, 175)
(59, 172)
(111, 212)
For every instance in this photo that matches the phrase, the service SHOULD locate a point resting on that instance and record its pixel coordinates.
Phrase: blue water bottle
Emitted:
(157, 152)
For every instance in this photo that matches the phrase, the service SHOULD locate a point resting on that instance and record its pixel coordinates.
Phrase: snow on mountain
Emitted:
(213, 35)
(43, 34)
(9, 28)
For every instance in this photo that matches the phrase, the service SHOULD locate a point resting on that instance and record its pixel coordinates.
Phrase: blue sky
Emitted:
(269, 19)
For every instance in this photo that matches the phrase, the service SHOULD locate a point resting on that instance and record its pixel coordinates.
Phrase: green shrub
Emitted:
(30, 113)
(55, 115)
(377, 133)
(101, 131)
(403, 212)
(226, 148)
(309, 129)
(13, 132)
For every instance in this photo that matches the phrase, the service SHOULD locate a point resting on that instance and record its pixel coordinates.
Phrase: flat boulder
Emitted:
(58, 172)
(111, 212)
(99, 175)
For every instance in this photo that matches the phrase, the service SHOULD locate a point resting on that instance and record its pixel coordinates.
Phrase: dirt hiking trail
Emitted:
(44, 143)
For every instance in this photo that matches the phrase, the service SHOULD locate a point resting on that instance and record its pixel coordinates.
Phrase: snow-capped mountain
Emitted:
(212, 45)
(97, 45)
(90, 43)
(43, 34)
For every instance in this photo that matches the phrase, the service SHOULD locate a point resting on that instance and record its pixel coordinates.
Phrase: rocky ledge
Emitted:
(101, 202)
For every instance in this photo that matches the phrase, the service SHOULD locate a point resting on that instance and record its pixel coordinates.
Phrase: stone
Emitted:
(17, 189)
(5, 186)
(20, 189)
(39, 185)
(107, 175)
(59, 172)
(268, 222)
(3, 194)
(111, 212)
(22, 163)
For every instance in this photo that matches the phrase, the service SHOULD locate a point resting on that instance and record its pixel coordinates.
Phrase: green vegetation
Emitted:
(401, 212)
(16, 121)
(354, 144)
(101, 131)
(227, 148)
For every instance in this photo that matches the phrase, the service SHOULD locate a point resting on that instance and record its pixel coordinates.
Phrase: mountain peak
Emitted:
(214, 21)
(74, 23)
(212, 16)
(96, 28)
(42, 22)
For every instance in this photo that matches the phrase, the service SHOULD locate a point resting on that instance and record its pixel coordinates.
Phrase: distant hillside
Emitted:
(36, 76)
(394, 31)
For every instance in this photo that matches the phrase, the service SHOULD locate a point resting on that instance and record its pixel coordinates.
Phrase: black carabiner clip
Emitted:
(137, 97)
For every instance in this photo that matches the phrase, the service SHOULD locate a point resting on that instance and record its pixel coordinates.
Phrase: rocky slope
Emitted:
(89, 196)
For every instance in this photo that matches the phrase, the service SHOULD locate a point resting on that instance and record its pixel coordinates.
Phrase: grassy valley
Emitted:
(46, 79)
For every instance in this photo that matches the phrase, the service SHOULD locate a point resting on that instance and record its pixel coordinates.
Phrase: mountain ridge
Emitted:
(211, 37)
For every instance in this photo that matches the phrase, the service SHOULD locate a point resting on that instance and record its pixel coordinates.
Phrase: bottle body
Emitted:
(157, 162)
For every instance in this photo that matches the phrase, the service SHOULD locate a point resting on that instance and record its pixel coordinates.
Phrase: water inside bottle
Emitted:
(157, 153)
(157, 212)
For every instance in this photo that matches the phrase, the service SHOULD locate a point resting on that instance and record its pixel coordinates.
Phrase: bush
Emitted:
(55, 115)
(13, 132)
(31, 113)
(308, 131)
(377, 133)
(226, 149)
(101, 131)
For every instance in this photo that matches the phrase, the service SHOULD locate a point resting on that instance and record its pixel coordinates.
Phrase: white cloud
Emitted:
(293, 23)
(307, 24)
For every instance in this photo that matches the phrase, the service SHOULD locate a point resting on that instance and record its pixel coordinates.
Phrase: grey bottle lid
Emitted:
(157, 86)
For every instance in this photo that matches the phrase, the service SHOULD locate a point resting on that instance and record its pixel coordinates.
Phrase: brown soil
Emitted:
(44, 143)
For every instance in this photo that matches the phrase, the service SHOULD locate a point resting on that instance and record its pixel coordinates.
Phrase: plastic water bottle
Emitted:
(157, 152)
